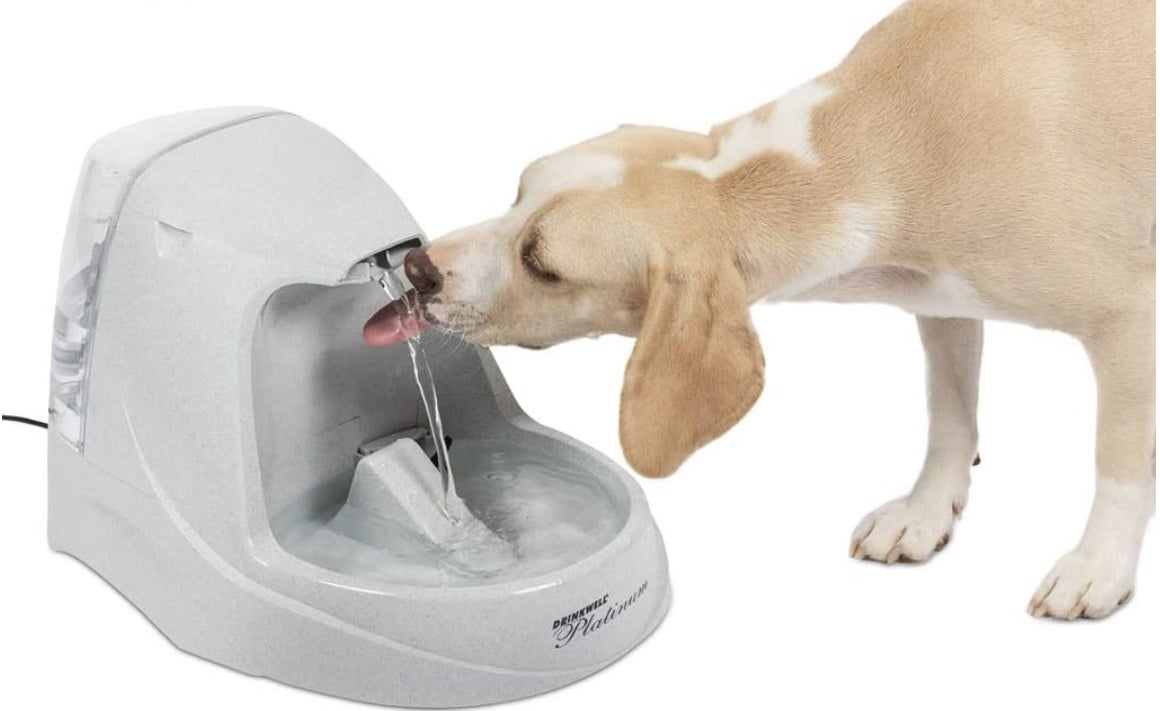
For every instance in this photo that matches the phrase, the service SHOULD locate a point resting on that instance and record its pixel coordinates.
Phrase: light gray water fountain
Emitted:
(228, 454)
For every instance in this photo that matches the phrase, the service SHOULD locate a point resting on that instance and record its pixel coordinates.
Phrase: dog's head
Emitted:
(603, 237)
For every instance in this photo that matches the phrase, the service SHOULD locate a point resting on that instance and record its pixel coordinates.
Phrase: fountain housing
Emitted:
(211, 401)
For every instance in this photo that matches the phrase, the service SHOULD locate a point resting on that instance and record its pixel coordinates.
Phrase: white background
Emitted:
(448, 102)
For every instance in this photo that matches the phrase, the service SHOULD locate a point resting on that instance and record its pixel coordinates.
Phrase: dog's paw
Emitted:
(907, 529)
(1084, 585)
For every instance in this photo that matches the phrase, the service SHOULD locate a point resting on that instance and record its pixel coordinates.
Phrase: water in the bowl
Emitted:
(551, 513)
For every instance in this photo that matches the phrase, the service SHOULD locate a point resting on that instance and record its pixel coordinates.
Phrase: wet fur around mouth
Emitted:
(469, 327)
(467, 319)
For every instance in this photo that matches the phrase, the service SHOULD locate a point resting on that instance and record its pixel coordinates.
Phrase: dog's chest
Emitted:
(943, 294)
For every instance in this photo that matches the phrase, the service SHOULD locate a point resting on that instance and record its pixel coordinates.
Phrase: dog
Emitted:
(967, 161)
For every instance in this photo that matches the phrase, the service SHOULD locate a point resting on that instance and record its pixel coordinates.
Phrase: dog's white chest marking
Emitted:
(940, 294)
(943, 294)
(948, 294)
(787, 130)
(839, 255)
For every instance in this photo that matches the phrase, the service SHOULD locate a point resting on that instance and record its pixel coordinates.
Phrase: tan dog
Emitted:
(969, 160)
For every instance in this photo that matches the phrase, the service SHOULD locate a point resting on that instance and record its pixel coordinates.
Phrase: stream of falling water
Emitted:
(429, 395)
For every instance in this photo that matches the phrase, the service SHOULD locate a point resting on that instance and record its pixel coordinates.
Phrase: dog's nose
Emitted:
(423, 275)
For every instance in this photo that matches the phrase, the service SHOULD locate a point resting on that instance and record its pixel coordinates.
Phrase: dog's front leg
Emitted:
(919, 524)
(1098, 576)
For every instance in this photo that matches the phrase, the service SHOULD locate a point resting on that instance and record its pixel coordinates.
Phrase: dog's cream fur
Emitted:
(975, 160)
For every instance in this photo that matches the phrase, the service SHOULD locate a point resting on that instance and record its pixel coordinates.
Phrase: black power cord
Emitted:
(24, 421)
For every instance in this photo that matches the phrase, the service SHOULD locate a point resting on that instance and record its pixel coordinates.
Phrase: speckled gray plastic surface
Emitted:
(208, 420)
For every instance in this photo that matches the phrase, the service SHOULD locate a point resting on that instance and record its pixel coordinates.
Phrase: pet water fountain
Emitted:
(230, 456)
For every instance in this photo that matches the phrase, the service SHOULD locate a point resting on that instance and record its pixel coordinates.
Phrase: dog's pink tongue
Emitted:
(392, 324)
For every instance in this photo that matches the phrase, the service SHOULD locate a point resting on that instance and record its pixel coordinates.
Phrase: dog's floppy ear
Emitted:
(696, 369)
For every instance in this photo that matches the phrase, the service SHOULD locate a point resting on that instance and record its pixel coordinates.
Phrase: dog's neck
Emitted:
(795, 199)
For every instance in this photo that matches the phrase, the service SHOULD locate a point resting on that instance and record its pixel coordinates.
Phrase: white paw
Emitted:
(1084, 585)
(907, 529)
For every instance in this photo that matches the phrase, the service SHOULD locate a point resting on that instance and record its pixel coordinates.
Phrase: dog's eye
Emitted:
(531, 259)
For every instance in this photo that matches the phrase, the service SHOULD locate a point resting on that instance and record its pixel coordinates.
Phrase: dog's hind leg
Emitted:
(915, 526)
(1098, 576)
